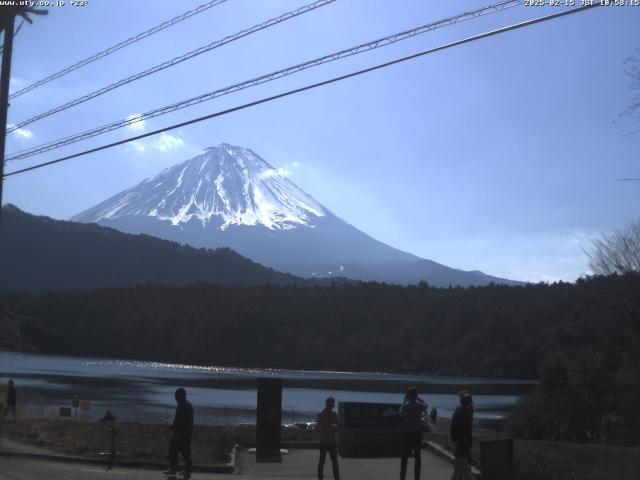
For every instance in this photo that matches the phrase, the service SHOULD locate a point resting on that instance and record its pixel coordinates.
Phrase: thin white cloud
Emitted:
(167, 142)
(162, 143)
(137, 123)
(284, 172)
(138, 145)
(287, 170)
(23, 133)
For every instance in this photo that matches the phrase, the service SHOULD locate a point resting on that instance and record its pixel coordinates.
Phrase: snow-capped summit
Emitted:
(226, 185)
(228, 196)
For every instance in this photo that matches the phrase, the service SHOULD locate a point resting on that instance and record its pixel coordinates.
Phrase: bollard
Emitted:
(112, 453)
(114, 433)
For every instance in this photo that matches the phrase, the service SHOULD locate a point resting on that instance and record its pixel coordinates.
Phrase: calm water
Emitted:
(143, 391)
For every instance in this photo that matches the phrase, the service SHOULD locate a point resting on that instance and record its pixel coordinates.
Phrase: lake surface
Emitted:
(143, 391)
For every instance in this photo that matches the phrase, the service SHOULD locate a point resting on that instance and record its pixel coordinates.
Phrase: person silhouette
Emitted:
(328, 427)
(412, 412)
(12, 397)
(181, 438)
(461, 436)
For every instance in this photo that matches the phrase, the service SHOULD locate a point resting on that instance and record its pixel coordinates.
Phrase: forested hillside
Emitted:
(493, 330)
(41, 254)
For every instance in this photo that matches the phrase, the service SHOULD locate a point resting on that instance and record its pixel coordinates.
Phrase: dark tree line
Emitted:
(583, 396)
(493, 330)
(582, 340)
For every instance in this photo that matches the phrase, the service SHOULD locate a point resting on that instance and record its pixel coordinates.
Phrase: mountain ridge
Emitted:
(38, 253)
(229, 196)
(231, 183)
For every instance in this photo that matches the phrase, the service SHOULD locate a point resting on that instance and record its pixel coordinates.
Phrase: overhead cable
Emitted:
(381, 42)
(309, 87)
(118, 46)
(174, 61)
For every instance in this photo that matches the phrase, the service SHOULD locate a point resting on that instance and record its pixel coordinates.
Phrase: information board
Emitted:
(376, 416)
(369, 429)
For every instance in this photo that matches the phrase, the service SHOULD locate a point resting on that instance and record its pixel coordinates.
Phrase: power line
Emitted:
(310, 87)
(381, 42)
(175, 61)
(118, 46)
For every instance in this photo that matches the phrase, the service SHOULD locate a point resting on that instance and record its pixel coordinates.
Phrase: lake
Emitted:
(142, 391)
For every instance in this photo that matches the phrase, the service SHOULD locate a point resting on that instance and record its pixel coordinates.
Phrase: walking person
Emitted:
(12, 397)
(181, 438)
(412, 413)
(434, 415)
(461, 436)
(328, 428)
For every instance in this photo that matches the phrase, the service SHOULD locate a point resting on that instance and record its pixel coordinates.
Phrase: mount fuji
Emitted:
(227, 196)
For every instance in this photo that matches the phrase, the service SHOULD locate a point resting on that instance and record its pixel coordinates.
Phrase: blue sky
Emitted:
(501, 155)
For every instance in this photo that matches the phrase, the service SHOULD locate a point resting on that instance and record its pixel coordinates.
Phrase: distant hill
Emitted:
(40, 254)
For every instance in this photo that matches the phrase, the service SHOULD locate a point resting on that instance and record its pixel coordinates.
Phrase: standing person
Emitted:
(181, 438)
(328, 427)
(12, 396)
(434, 415)
(412, 414)
(461, 436)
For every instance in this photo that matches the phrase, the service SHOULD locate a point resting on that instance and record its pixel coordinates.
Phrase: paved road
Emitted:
(298, 464)
(302, 464)
(27, 469)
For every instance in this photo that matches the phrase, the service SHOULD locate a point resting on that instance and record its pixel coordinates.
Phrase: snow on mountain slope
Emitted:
(228, 196)
(230, 184)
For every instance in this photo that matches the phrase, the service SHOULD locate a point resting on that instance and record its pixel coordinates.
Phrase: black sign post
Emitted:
(269, 421)
(75, 403)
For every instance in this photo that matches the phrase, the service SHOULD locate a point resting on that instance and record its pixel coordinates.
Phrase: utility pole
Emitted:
(5, 75)
(7, 21)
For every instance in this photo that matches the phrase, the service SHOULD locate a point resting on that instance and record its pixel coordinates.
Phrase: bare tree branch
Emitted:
(633, 71)
(618, 252)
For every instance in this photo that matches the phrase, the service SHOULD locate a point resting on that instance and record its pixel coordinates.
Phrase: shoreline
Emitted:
(143, 392)
(270, 370)
(355, 385)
